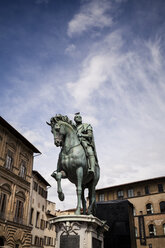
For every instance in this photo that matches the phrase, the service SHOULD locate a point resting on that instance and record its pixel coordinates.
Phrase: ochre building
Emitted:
(148, 199)
(42, 210)
(16, 163)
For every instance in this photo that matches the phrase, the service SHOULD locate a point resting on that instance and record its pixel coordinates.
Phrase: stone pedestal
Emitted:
(79, 231)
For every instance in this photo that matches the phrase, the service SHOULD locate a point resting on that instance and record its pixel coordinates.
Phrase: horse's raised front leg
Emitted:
(58, 176)
(79, 173)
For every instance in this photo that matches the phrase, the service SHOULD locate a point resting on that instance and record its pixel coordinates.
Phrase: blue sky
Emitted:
(104, 58)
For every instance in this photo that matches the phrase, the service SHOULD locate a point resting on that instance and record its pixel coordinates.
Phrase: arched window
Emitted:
(164, 228)
(152, 230)
(3, 202)
(5, 191)
(149, 208)
(20, 198)
(162, 206)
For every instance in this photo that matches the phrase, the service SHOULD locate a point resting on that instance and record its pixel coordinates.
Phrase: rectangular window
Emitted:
(101, 197)
(147, 190)
(41, 242)
(36, 241)
(35, 186)
(42, 224)
(42, 192)
(3, 199)
(130, 193)
(37, 219)
(31, 216)
(22, 172)
(39, 191)
(160, 188)
(120, 194)
(49, 241)
(44, 240)
(142, 233)
(19, 212)
(149, 208)
(152, 230)
(51, 226)
(9, 160)
(138, 193)
(45, 194)
(162, 206)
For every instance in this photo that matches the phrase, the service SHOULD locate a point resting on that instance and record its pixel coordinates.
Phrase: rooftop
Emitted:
(5, 124)
(41, 178)
(131, 183)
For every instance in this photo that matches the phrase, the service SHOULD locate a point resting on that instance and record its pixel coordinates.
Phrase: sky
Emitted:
(102, 58)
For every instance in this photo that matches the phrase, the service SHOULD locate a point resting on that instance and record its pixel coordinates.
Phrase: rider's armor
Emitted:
(88, 144)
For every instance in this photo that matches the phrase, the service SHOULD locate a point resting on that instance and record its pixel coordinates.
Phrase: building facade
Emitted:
(148, 199)
(42, 210)
(16, 163)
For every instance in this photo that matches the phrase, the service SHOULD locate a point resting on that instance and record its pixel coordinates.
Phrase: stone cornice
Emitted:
(17, 225)
(80, 218)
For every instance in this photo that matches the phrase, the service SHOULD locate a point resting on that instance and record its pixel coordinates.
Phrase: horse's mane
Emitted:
(63, 118)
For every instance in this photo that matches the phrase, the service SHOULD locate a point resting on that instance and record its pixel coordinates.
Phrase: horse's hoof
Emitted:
(89, 212)
(77, 212)
(61, 196)
(54, 175)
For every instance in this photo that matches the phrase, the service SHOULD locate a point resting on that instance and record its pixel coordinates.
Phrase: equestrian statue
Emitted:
(77, 159)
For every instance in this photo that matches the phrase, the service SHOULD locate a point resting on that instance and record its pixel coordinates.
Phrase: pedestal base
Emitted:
(79, 231)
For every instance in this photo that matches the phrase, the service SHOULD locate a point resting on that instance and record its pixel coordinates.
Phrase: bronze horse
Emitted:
(72, 163)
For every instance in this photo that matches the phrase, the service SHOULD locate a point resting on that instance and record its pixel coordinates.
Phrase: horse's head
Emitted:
(59, 128)
(58, 131)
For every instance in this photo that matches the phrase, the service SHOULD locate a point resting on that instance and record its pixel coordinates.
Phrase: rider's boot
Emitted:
(91, 168)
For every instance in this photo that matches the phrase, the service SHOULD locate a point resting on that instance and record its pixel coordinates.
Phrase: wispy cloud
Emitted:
(92, 14)
(125, 91)
(97, 69)
(138, 71)
(70, 49)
